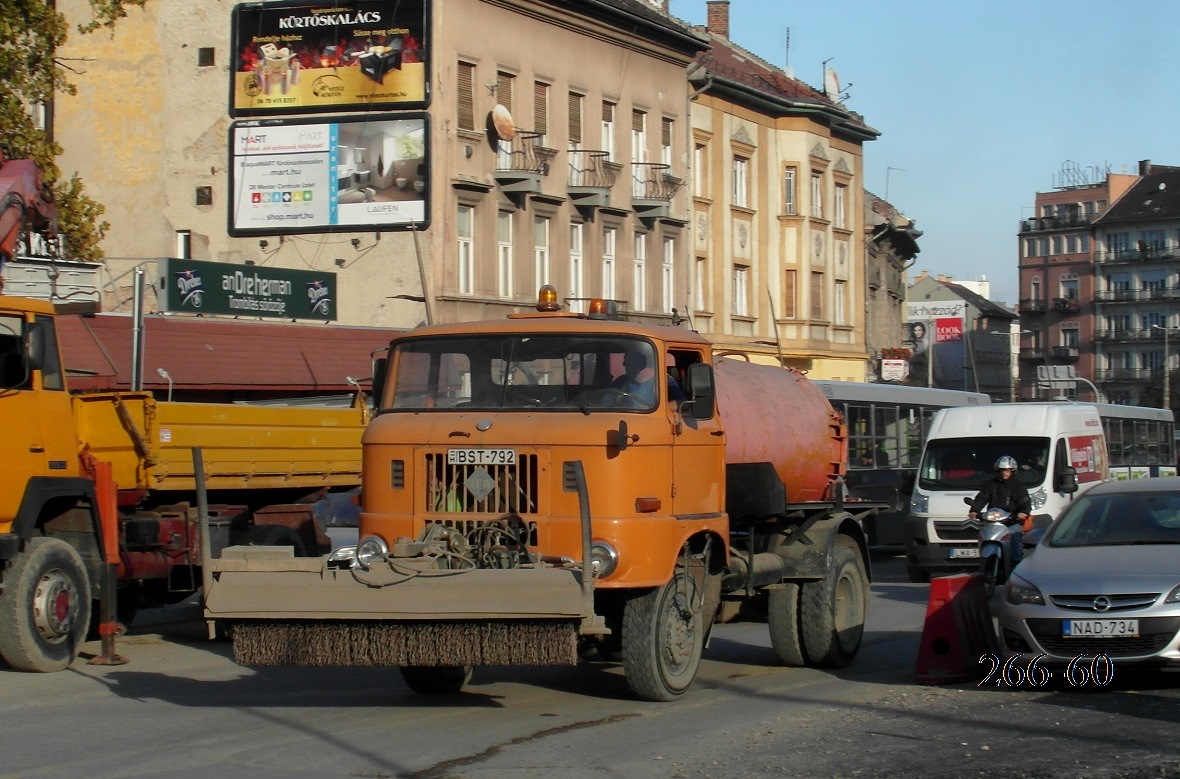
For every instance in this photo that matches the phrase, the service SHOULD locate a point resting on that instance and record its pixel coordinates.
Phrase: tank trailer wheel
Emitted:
(45, 604)
(782, 614)
(436, 679)
(833, 610)
(663, 637)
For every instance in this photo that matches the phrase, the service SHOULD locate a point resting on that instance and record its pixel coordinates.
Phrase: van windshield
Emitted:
(968, 463)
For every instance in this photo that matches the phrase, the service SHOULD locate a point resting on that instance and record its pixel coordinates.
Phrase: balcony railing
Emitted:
(1067, 305)
(1055, 222)
(1127, 374)
(1137, 295)
(1141, 254)
(1033, 306)
(652, 181)
(1127, 335)
(1065, 353)
(589, 168)
(522, 162)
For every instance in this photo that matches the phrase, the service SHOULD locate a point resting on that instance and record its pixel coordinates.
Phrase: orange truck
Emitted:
(554, 487)
(62, 454)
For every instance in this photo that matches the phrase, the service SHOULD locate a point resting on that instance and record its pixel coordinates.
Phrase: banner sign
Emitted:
(301, 175)
(195, 287)
(314, 57)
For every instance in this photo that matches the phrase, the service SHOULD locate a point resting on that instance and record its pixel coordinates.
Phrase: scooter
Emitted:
(995, 548)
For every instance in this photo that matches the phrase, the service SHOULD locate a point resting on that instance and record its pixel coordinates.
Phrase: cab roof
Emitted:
(558, 323)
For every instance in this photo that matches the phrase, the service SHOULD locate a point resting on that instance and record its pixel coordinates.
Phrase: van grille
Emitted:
(481, 489)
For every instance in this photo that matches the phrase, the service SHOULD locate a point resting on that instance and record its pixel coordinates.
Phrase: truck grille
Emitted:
(481, 489)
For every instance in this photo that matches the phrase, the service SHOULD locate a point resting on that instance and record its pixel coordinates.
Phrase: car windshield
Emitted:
(1119, 519)
(524, 373)
(967, 463)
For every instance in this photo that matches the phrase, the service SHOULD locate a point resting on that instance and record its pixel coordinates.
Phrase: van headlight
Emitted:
(919, 502)
(1038, 499)
(370, 550)
(604, 559)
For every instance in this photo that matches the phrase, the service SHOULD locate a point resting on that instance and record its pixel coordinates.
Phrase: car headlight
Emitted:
(1038, 499)
(920, 502)
(1174, 595)
(1020, 591)
(369, 550)
(604, 558)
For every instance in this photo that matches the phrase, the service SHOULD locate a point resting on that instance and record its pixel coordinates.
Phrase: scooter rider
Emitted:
(1005, 492)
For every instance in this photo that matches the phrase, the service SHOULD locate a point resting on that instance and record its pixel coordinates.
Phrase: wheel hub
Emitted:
(678, 632)
(55, 604)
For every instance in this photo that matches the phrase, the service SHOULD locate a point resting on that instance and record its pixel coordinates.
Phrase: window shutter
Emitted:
(637, 122)
(504, 90)
(541, 107)
(575, 106)
(466, 79)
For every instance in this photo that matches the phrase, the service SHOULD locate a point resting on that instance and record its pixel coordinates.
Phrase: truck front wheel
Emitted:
(44, 607)
(663, 637)
(436, 679)
(833, 610)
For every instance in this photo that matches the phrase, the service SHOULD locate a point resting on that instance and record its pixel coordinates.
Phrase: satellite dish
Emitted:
(831, 83)
(502, 122)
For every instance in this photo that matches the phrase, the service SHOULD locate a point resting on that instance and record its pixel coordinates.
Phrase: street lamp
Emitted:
(164, 375)
(1167, 377)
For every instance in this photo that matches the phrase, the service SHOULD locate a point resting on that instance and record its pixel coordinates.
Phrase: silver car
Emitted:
(1104, 580)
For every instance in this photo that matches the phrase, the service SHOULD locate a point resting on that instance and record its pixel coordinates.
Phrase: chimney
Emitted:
(718, 17)
(1144, 165)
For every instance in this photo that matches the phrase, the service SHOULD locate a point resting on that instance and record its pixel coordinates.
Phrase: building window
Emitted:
(465, 229)
(1153, 241)
(667, 128)
(1035, 289)
(541, 250)
(840, 218)
(667, 274)
(609, 235)
(741, 184)
(817, 195)
(504, 254)
(639, 173)
(790, 196)
(790, 296)
(541, 110)
(639, 274)
(840, 300)
(504, 84)
(577, 270)
(1118, 244)
(1069, 289)
(466, 95)
(741, 290)
(1055, 245)
(575, 111)
(817, 296)
(700, 168)
(608, 130)
(1069, 337)
(701, 284)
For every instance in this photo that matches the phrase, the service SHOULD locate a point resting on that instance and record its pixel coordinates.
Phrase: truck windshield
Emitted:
(524, 373)
(14, 371)
(967, 463)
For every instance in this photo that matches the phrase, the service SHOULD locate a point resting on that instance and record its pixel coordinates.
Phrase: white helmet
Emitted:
(1006, 463)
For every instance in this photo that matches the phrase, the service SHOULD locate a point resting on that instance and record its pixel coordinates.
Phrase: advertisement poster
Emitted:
(936, 334)
(314, 57)
(291, 176)
(197, 287)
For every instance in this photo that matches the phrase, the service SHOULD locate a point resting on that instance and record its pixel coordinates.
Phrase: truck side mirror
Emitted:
(36, 346)
(379, 366)
(1067, 480)
(700, 390)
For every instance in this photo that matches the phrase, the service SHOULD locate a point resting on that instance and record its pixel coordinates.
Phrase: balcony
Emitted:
(1033, 306)
(1066, 305)
(522, 163)
(1064, 353)
(1152, 294)
(591, 177)
(1032, 355)
(1111, 375)
(652, 189)
(1141, 254)
(1055, 222)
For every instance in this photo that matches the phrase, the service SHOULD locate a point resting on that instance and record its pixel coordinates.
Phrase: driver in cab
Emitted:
(637, 381)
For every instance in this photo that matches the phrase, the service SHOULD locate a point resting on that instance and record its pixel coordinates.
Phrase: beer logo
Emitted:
(188, 284)
(320, 298)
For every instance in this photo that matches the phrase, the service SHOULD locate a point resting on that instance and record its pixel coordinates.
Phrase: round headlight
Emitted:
(603, 558)
(370, 550)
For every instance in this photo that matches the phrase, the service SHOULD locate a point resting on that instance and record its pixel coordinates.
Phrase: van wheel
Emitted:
(436, 679)
(833, 610)
(663, 637)
(45, 607)
(782, 614)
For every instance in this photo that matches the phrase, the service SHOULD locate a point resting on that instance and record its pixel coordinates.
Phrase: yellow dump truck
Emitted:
(263, 470)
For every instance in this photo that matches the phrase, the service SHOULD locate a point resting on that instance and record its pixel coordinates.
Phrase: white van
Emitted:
(1059, 447)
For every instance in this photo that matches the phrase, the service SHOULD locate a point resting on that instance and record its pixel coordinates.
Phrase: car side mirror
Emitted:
(379, 366)
(1067, 480)
(700, 390)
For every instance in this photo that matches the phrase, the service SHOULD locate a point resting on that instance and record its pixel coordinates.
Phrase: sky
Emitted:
(980, 104)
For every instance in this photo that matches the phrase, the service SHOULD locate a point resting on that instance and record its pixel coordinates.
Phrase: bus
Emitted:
(887, 426)
(1140, 441)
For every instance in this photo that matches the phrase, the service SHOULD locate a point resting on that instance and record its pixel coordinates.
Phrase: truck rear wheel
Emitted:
(44, 607)
(436, 679)
(782, 614)
(663, 637)
(833, 610)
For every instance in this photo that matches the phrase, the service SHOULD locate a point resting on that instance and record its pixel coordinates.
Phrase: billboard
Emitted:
(196, 287)
(306, 175)
(312, 57)
(936, 335)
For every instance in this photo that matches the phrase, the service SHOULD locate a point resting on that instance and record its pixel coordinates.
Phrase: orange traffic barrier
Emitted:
(957, 632)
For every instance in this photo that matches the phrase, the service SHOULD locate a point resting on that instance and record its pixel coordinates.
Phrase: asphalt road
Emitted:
(182, 708)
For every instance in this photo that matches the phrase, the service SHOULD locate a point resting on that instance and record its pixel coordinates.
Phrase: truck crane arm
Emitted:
(25, 204)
